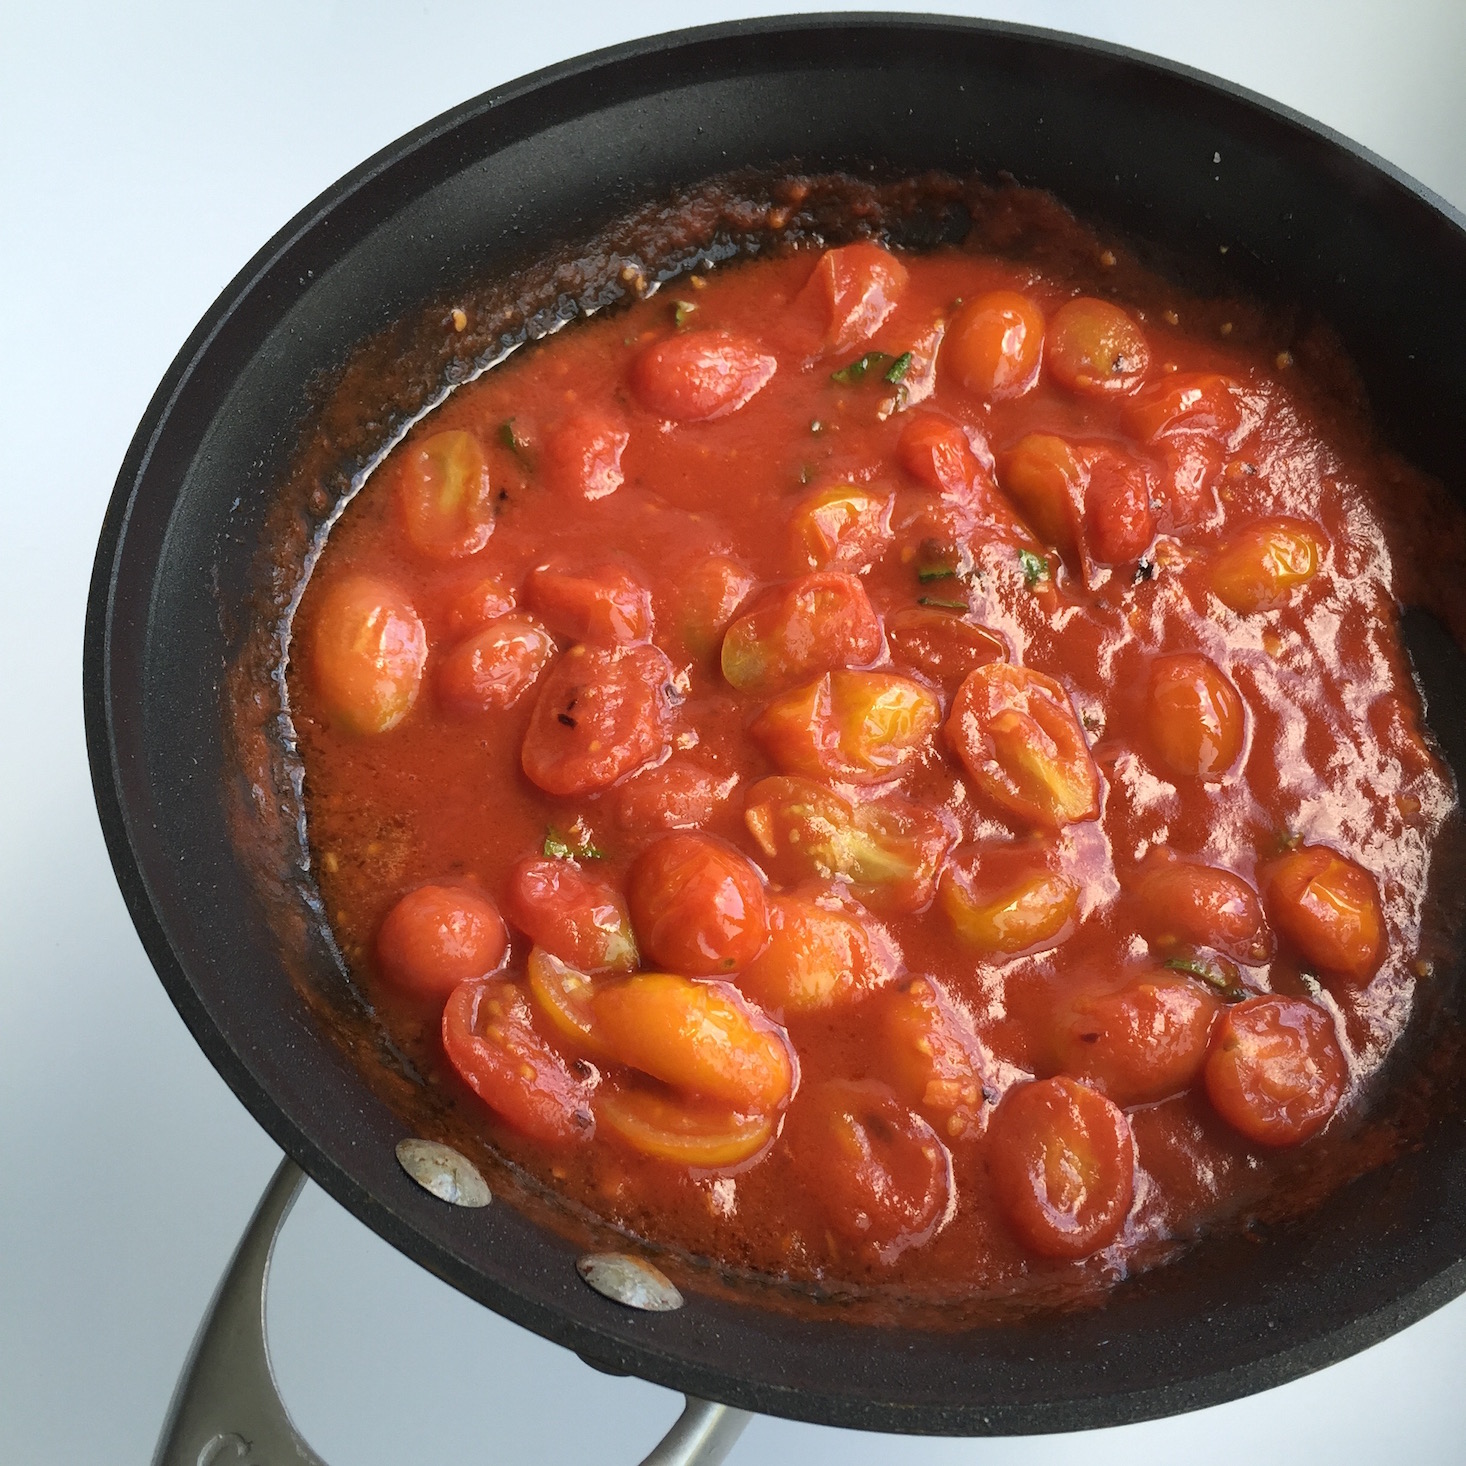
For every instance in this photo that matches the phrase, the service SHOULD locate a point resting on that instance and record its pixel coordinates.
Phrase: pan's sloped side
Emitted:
(1180, 161)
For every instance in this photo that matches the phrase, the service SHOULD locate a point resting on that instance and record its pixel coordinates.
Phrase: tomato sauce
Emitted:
(882, 769)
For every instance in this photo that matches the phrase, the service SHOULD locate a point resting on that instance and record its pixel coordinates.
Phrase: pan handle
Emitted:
(227, 1410)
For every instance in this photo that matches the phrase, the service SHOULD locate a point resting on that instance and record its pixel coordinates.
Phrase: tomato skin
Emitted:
(804, 626)
(820, 954)
(680, 1129)
(937, 1060)
(881, 1174)
(437, 937)
(1095, 349)
(676, 795)
(944, 646)
(600, 714)
(1045, 477)
(1328, 906)
(1062, 1161)
(1198, 722)
(1015, 732)
(848, 296)
(698, 905)
(1118, 521)
(492, 669)
(995, 344)
(1184, 903)
(473, 606)
(840, 528)
(712, 591)
(1276, 1071)
(579, 919)
(1202, 403)
(936, 452)
(582, 459)
(698, 376)
(1186, 495)
(369, 651)
(605, 606)
(1007, 899)
(489, 1039)
(701, 1037)
(1140, 1042)
(444, 495)
(1261, 567)
(861, 727)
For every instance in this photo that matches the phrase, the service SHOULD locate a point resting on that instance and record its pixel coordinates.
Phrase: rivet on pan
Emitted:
(629, 1280)
(442, 1171)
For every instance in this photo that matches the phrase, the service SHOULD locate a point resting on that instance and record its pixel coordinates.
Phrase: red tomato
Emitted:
(437, 937)
(1015, 731)
(851, 292)
(702, 1037)
(700, 375)
(1198, 722)
(820, 955)
(944, 646)
(495, 667)
(857, 726)
(1185, 493)
(1201, 403)
(1276, 1071)
(1045, 478)
(1260, 568)
(444, 494)
(600, 714)
(1063, 1166)
(581, 920)
(994, 344)
(672, 796)
(1137, 1043)
(369, 652)
(881, 1175)
(1095, 349)
(936, 452)
(709, 595)
(1007, 899)
(803, 626)
(698, 905)
(606, 606)
(1118, 522)
(1328, 907)
(1182, 902)
(475, 605)
(582, 459)
(490, 1040)
(840, 528)
(937, 1059)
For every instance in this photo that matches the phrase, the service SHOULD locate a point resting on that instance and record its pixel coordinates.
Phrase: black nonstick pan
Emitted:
(1255, 198)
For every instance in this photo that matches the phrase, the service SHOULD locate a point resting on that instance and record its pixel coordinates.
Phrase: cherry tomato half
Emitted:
(582, 459)
(944, 646)
(1328, 906)
(1045, 477)
(444, 494)
(1185, 402)
(604, 606)
(492, 669)
(936, 452)
(1118, 521)
(840, 528)
(995, 343)
(1198, 722)
(820, 955)
(846, 299)
(1007, 899)
(1095, 349)
(473, 606)
(682, 1129)
(1261, 567)
(676, 795)
(579, 919)
(700, 375)
(709, 596)
(1184, 903)
(437, 937)
(937, 1060)
(369, 650)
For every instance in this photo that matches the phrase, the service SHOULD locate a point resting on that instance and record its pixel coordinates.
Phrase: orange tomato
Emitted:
(1095, 349)
(1201, 403)
(937, 1060)
(1182, 902)
(444, 495)
(1118, 521)
(1007, 899)
(563, 994)
(995, 343)
(840, 528)
(579, 919)
(1198, 722)
(1328, 906)
(804, 626)
(820, 955)
(492, 669)
(1261, 567)
(1045, 477)
(698, 376)
(437, 937)
(682, 1130)
(368, 654)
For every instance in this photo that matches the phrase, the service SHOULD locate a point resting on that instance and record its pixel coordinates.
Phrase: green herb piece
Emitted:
(574, 844)
(938, 601)
(512, 441)
(935, 572)
(1225, 984)
(1035, 567)
(682, 312)
(899, 368)
(856, 372)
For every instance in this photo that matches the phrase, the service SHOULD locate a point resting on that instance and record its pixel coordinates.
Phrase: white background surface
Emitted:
(145, 154)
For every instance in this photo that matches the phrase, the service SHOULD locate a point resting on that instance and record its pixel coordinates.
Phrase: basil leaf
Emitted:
(850, 376)
(1035, 567)
(899, 368)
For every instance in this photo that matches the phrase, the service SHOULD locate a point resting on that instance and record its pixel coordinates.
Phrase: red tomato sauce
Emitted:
(939, 745)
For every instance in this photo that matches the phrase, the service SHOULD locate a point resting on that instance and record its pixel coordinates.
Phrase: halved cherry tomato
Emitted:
(889, 850)
(582, 458)
(880, 1174)
(700, 375)
(820, 955)
(703, 1037)
(937, 1059)
(858, 726)
(563, 994)
(936, 452)
(1015, 731)
(685, 1131)
(494, 668)
(840, 528)
(1063, 1166)
(1139, 1042)
(490, 1040)
(676, 795)
(369, 650)
(710, 594)
(1010, 898)
(804, 626)
(1198, 722)
(579, 919)
(600, 714)
(1185, 402)
(1265, 563)
(1328, 906)
(604, 606)
(444, 494)
(1118, 522)
(437, 937)
(1185, 496)
(698, 905)
(995, 343)
(1045, 477)
(846, 299)
(942, 645)
(1094, 348)
(474, 605)
(1276, 1071)
(1182, 902)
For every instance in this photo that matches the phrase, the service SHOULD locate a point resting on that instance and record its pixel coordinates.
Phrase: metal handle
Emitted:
(227, 1410)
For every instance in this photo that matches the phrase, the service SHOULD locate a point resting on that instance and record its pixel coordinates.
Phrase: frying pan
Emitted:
(1151, 150)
